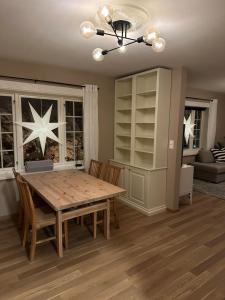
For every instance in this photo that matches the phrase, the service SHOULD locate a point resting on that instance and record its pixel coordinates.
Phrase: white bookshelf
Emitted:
(141, 136)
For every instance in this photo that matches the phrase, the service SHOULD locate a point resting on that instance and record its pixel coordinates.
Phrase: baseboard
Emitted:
(145, 211)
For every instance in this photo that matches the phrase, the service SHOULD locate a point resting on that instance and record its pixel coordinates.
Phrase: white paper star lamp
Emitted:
(189, 128)
(41, 128)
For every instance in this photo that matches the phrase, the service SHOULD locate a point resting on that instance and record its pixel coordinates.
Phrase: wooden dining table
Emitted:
(71, 189)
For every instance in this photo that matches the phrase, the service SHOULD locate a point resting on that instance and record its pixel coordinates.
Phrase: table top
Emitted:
(70, 188)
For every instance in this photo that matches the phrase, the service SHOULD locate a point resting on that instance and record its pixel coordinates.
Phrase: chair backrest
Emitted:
(112, 174)
(14, 172)
(17, 175)
(95, 168)
(27, 199)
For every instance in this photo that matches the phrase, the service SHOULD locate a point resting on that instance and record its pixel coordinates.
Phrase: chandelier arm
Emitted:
(111, 34)
(104, 52)
(114, 30)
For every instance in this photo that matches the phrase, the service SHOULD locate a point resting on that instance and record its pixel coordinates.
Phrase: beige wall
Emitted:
(178, 93)
(106, 111)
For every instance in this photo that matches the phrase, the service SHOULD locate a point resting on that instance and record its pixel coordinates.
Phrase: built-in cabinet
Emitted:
(142, 106)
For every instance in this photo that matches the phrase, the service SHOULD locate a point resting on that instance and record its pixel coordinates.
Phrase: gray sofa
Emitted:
(213, 172)
(205, 167)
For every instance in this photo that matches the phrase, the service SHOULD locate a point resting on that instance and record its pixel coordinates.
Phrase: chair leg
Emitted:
(66, 240)
(33, 243)
(94, 225)
(115, 213)
(25, 233)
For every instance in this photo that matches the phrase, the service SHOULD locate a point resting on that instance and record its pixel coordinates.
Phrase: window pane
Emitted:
(69, 108)
(7, 141)
(78, 124)
(79, 153)
(74, 132)
(5, 104)
(79, 139)
(6, 123)
(69, 146)
(187, 113)
(8, 159)
(69, 124)
(196, 143)
(26, 112)
(46, 104)
(78, 107)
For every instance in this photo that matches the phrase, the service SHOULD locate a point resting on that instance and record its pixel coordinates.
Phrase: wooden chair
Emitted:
(36, 219)
(95, 168)
(111, 175)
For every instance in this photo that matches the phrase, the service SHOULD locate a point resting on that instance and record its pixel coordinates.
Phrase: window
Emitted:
(6, 132)
(196, 115)
(36, 99)
(74, 132)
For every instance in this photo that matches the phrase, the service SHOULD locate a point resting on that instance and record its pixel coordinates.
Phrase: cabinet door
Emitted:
(137, 185)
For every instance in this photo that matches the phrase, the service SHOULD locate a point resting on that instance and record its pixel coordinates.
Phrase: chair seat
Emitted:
(44, 217)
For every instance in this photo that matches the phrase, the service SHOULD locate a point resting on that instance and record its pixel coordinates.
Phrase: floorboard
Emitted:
(167, 256)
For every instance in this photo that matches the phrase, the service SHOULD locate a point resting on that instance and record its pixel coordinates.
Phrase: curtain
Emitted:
(91, 134)
(211, 134)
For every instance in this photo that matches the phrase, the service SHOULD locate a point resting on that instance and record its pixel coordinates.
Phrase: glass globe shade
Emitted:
(122, 49)
(105, 12)
(87, 29)
(150, 35)
(97, 54)
(158, 45)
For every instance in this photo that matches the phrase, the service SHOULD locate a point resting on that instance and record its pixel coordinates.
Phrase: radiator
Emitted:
(39, 165)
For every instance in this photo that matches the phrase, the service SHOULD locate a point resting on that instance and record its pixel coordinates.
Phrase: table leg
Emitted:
(107, 220)
(59, 233)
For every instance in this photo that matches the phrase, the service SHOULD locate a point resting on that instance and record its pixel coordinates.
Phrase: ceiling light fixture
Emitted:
(120, 29)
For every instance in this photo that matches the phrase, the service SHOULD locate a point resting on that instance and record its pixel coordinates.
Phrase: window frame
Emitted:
(2, 93)
(194, 151)
(17, 90)
(70, 163)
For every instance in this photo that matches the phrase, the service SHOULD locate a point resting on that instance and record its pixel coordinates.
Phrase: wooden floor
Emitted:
(167, 256)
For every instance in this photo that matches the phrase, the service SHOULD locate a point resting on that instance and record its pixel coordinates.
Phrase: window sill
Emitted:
(7, 174)
(190, 152)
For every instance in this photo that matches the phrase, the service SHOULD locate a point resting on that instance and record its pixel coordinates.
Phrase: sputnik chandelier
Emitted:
(120, 29)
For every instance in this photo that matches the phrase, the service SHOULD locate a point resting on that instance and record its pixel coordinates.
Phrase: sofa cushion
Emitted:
(217, 168)
(219, 155)
(205, 156)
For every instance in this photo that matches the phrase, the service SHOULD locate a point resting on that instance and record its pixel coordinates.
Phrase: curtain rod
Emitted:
(41, 81)
(199, 98)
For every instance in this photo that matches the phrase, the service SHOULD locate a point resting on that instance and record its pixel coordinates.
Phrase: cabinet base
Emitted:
(145, 211)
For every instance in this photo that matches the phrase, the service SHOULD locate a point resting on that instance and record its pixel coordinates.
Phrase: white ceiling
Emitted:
(47, 32)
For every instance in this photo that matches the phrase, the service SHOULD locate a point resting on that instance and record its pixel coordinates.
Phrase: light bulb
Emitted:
(97, 54)
(105, 12)
(122, 49)
(87, 29)
(158, 45)
(150, 35)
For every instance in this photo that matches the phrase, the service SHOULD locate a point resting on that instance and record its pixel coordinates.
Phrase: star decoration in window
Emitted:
(41, 128)
(189, 128)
